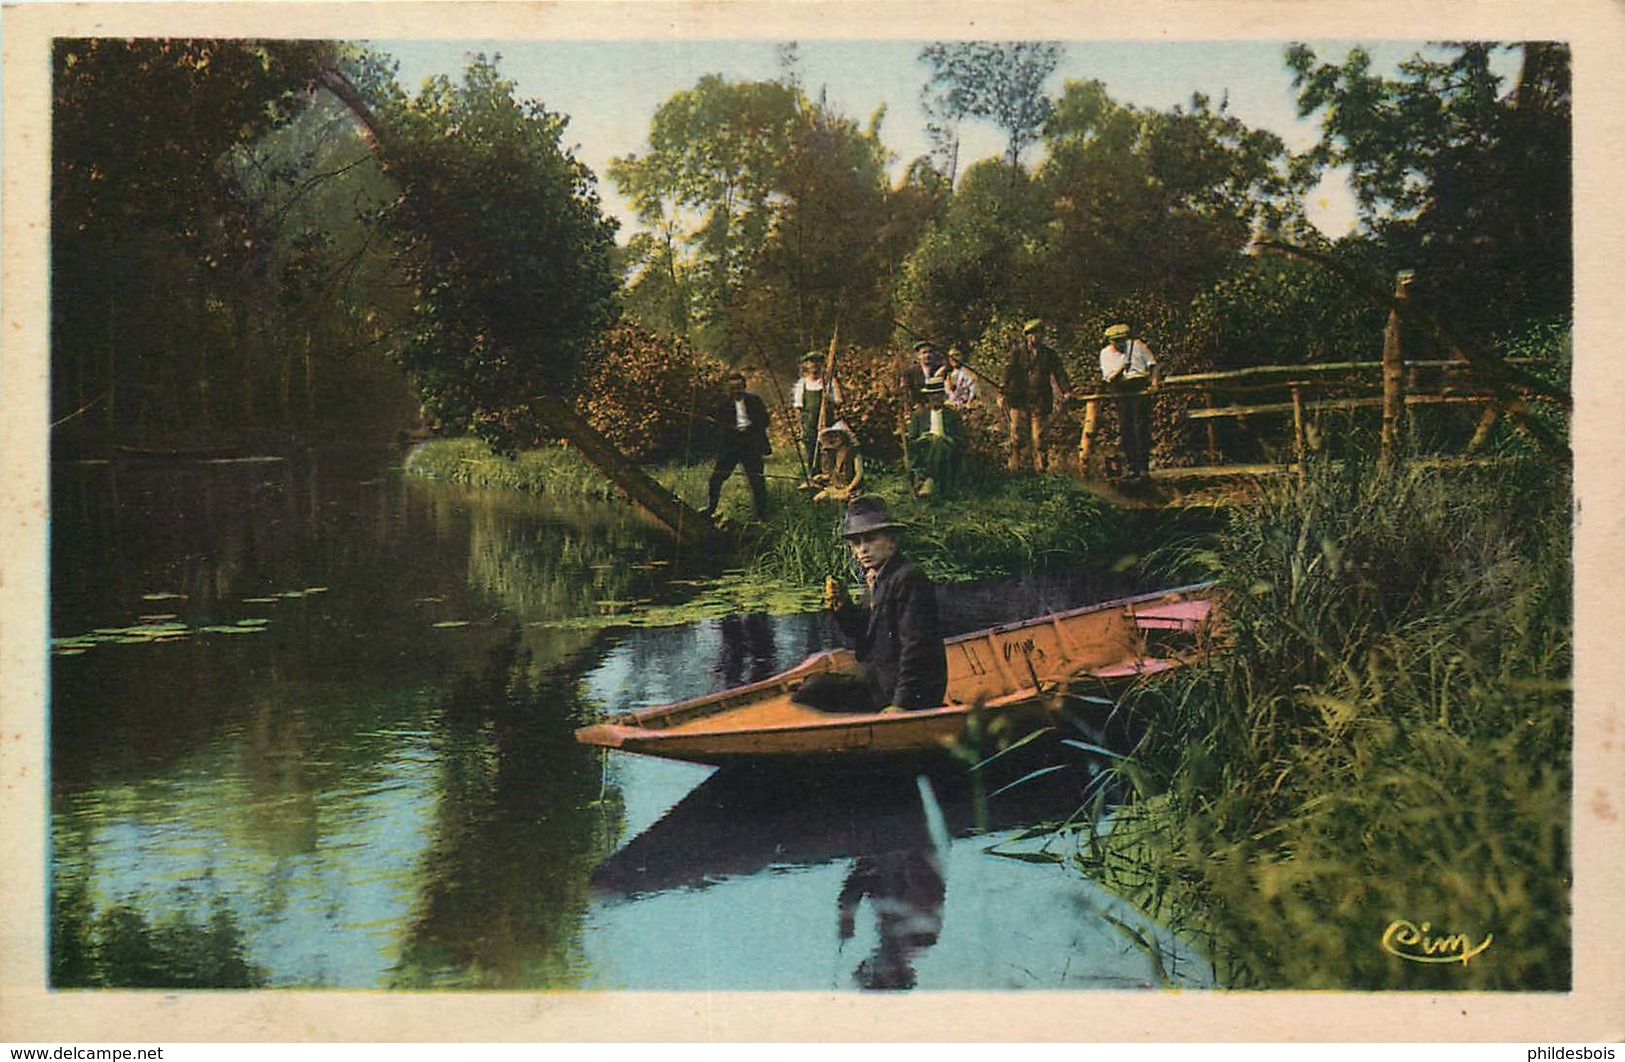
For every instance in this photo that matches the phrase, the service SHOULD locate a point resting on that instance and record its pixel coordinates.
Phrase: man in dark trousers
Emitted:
(1129, 369)
(896, 638)
(739, 428)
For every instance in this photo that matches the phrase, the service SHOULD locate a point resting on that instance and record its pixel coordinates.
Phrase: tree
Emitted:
(825, 260)
(715, 153)
(978, 261)
(1000, 82)
(769, 220)
(1155, 201)
(512, 265)
(504, 245)
(1470, 184)
(150, 227)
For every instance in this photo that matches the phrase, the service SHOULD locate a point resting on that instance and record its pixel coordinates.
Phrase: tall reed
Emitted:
(1385, 738)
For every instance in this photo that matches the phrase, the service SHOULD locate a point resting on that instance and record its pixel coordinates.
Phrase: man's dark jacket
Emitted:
(727, 436)
(898, 641)
(1029, 379)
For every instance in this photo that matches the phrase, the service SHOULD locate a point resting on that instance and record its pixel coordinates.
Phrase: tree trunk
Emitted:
(689, 527)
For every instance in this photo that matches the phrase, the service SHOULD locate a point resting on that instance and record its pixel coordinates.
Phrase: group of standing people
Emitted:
(937, 388)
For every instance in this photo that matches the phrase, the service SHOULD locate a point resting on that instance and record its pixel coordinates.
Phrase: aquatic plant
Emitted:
(556, 469)
(996, 524)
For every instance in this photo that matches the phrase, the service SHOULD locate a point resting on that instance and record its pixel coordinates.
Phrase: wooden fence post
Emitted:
(1393, 374)
(1299, 443)
(1212, 429)
(1086, 439)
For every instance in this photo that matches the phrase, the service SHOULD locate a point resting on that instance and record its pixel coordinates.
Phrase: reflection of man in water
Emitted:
(906, 891)
(747, 649)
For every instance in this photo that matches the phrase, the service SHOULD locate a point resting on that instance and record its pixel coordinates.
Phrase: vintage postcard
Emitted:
(743, 521)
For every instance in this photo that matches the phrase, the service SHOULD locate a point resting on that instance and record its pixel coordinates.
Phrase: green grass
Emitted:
(998, 524)
(1385, 738)
(551, 470)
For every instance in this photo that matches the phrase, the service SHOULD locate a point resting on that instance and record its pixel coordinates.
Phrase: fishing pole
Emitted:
(784, 403)
(827, 393)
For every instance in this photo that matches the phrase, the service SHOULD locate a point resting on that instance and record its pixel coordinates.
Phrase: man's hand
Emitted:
(835, 595)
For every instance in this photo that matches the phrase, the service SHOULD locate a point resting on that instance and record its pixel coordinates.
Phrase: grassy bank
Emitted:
(996, 524)
(1386, 740)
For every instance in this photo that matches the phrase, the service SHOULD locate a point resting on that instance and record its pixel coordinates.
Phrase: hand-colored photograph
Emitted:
(856, 516)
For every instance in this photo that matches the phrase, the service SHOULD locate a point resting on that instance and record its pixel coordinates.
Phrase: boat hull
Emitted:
(1013, 672)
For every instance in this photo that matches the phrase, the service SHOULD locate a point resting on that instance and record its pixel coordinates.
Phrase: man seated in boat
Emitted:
(894, 632)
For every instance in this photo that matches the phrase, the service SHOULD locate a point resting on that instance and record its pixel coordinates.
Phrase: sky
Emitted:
(610, 89)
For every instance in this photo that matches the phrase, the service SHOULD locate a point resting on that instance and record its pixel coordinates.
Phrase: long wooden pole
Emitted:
(1393, 374)
(687, 525)
(825, 396)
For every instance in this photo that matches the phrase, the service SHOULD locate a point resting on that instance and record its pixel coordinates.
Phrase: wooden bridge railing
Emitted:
(1293, 389)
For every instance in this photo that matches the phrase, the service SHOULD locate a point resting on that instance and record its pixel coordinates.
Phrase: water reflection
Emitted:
(905, 890)
(378, 786)
(747, 650)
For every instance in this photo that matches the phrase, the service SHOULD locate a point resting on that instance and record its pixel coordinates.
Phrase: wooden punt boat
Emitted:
(1016, 668)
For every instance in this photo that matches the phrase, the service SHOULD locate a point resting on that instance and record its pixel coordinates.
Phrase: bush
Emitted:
(648, 394)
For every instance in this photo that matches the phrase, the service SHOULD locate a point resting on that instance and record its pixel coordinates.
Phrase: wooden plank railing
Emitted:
(1296, 384)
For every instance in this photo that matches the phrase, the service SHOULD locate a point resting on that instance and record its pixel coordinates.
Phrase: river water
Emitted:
(312, 725)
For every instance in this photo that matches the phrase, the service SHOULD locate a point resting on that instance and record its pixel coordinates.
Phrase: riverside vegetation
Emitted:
(1385, 741)
(1000, 525)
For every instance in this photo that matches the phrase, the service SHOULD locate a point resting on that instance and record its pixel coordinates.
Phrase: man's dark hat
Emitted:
(924, 344)
(866, 514)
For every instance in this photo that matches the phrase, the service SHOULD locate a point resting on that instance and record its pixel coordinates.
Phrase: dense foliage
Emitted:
(197, 277)
(219, 265)
(769, 221)
(1384, 736)
(1468, 184)
(504, 245)
(647, 394)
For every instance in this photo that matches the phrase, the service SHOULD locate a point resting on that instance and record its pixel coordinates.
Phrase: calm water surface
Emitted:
(311, 725)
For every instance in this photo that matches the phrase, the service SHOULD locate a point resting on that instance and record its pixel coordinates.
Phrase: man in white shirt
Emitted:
(807, 396)
(739, 433)
(1129, 369)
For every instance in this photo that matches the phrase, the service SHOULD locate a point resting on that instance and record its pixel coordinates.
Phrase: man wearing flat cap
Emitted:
(929, 367)
(1129, 369)
(894, 632)
(1031, 381)
(816, 402)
